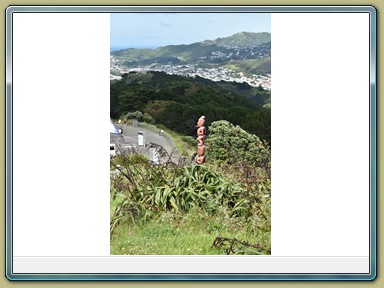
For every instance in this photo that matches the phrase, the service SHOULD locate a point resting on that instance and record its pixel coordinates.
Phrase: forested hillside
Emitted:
(177, 102)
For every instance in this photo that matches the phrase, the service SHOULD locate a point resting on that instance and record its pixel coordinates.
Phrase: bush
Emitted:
(139, 116)
(234, 203)
(148, 118)
(148, 190)
(231, 144)
(134, 115)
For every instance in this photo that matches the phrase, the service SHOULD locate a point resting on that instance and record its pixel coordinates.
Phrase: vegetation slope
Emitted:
(177, 102)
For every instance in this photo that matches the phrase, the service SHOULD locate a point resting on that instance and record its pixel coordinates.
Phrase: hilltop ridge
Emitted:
(240, 46)
(246, 52)
(244, 39)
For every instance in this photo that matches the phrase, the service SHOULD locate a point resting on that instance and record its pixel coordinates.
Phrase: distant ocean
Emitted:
(115, 48)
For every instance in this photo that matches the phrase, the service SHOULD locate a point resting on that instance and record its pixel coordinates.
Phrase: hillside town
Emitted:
(192, 70)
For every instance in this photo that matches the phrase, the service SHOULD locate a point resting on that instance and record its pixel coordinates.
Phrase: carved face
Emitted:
(200, 159)
(201, 131)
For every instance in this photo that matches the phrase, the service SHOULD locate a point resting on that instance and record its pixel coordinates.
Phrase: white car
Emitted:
(112, 148)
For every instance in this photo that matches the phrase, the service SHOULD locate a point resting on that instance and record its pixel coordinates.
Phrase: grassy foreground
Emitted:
(183, 211)
(220, 207)
(175, 234)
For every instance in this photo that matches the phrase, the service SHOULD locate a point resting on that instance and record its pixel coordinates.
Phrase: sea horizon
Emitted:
(122, 47)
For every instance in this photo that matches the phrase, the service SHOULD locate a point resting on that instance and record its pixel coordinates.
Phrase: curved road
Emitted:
(129, 138)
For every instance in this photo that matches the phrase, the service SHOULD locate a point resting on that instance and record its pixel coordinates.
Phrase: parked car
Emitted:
(112, 148)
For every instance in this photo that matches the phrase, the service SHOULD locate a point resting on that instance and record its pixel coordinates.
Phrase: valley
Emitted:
(243, 57)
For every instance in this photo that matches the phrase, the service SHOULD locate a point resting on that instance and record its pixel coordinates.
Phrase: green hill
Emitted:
(245, 39)
(177, 102)
(251, 66)
(222, 51)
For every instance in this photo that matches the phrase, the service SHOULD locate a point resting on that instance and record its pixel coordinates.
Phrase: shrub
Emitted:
(231, 144)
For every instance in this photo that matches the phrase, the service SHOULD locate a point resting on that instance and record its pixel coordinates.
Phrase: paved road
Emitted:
(129, 138)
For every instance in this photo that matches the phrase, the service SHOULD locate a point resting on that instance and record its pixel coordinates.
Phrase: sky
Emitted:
(152, 30)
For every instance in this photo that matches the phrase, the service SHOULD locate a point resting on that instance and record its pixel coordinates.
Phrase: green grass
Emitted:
(184, 147)
(171, 210)
(165, 239)
(114, 202)
(171, 234)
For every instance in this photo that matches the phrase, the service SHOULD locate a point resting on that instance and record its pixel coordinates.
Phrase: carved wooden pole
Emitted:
(200, 158)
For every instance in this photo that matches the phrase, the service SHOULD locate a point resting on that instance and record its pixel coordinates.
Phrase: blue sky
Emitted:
(151, 30)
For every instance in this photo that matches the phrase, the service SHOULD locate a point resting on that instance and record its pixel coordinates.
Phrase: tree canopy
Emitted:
(177, 102)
